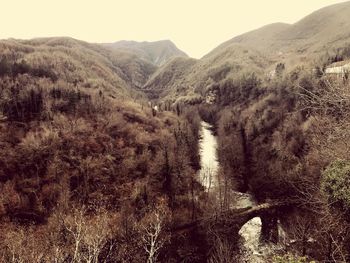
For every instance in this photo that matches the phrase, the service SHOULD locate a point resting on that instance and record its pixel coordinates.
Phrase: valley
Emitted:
(135, 152)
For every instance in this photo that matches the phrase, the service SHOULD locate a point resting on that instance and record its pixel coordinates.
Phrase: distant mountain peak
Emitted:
(156, 52)
(326, 28)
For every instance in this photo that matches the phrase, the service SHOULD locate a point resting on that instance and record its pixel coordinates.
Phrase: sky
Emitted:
(195, 26)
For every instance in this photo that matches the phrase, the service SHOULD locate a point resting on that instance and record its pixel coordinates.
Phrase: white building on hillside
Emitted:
(341, 68)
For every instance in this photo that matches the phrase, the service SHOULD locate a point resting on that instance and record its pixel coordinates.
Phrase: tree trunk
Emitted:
(246, 160)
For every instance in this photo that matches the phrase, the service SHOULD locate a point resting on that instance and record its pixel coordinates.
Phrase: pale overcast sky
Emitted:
(195, 26)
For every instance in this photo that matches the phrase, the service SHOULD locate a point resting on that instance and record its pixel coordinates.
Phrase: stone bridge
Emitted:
(232, 220)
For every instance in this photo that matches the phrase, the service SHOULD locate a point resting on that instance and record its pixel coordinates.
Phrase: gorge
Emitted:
(135, 152)
(252, 246)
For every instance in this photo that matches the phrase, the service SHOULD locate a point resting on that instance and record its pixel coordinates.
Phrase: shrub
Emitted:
(336, 183)
(20, 68)
(69, 101)
(10, 68)
(220, 72)
(5, 67)
(43, 72)
(25, 106)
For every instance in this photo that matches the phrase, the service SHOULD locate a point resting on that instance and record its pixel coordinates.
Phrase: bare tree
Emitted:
(89, 235)
(75, 225)
(153, 234)
(18, 246)
(95, 237)
(333, 98)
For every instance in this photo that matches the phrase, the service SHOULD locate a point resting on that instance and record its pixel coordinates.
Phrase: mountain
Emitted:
(90, 169)
(186, 79)
(260, 38)
(164, 78)
(161, 70)
(157, 53)
(78, 62)
(329, 25)
(327, 28)
(74, 136)
(321, 33)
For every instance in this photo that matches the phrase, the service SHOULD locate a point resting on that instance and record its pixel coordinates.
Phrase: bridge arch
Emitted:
(234, 219)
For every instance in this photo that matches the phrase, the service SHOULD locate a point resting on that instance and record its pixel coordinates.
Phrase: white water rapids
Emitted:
(250, 248)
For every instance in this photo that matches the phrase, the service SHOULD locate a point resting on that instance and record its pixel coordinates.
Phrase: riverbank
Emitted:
(250, 248)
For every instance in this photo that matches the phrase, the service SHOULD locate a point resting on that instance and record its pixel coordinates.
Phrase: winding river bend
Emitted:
(250, 247)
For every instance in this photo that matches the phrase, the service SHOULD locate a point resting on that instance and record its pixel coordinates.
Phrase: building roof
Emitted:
(339, 64)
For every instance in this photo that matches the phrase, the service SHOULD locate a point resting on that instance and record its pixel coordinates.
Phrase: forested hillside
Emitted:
(281, 123)
(84, 169)
(134, 152)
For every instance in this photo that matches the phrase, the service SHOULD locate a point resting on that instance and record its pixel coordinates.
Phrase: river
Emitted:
(250, 247)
